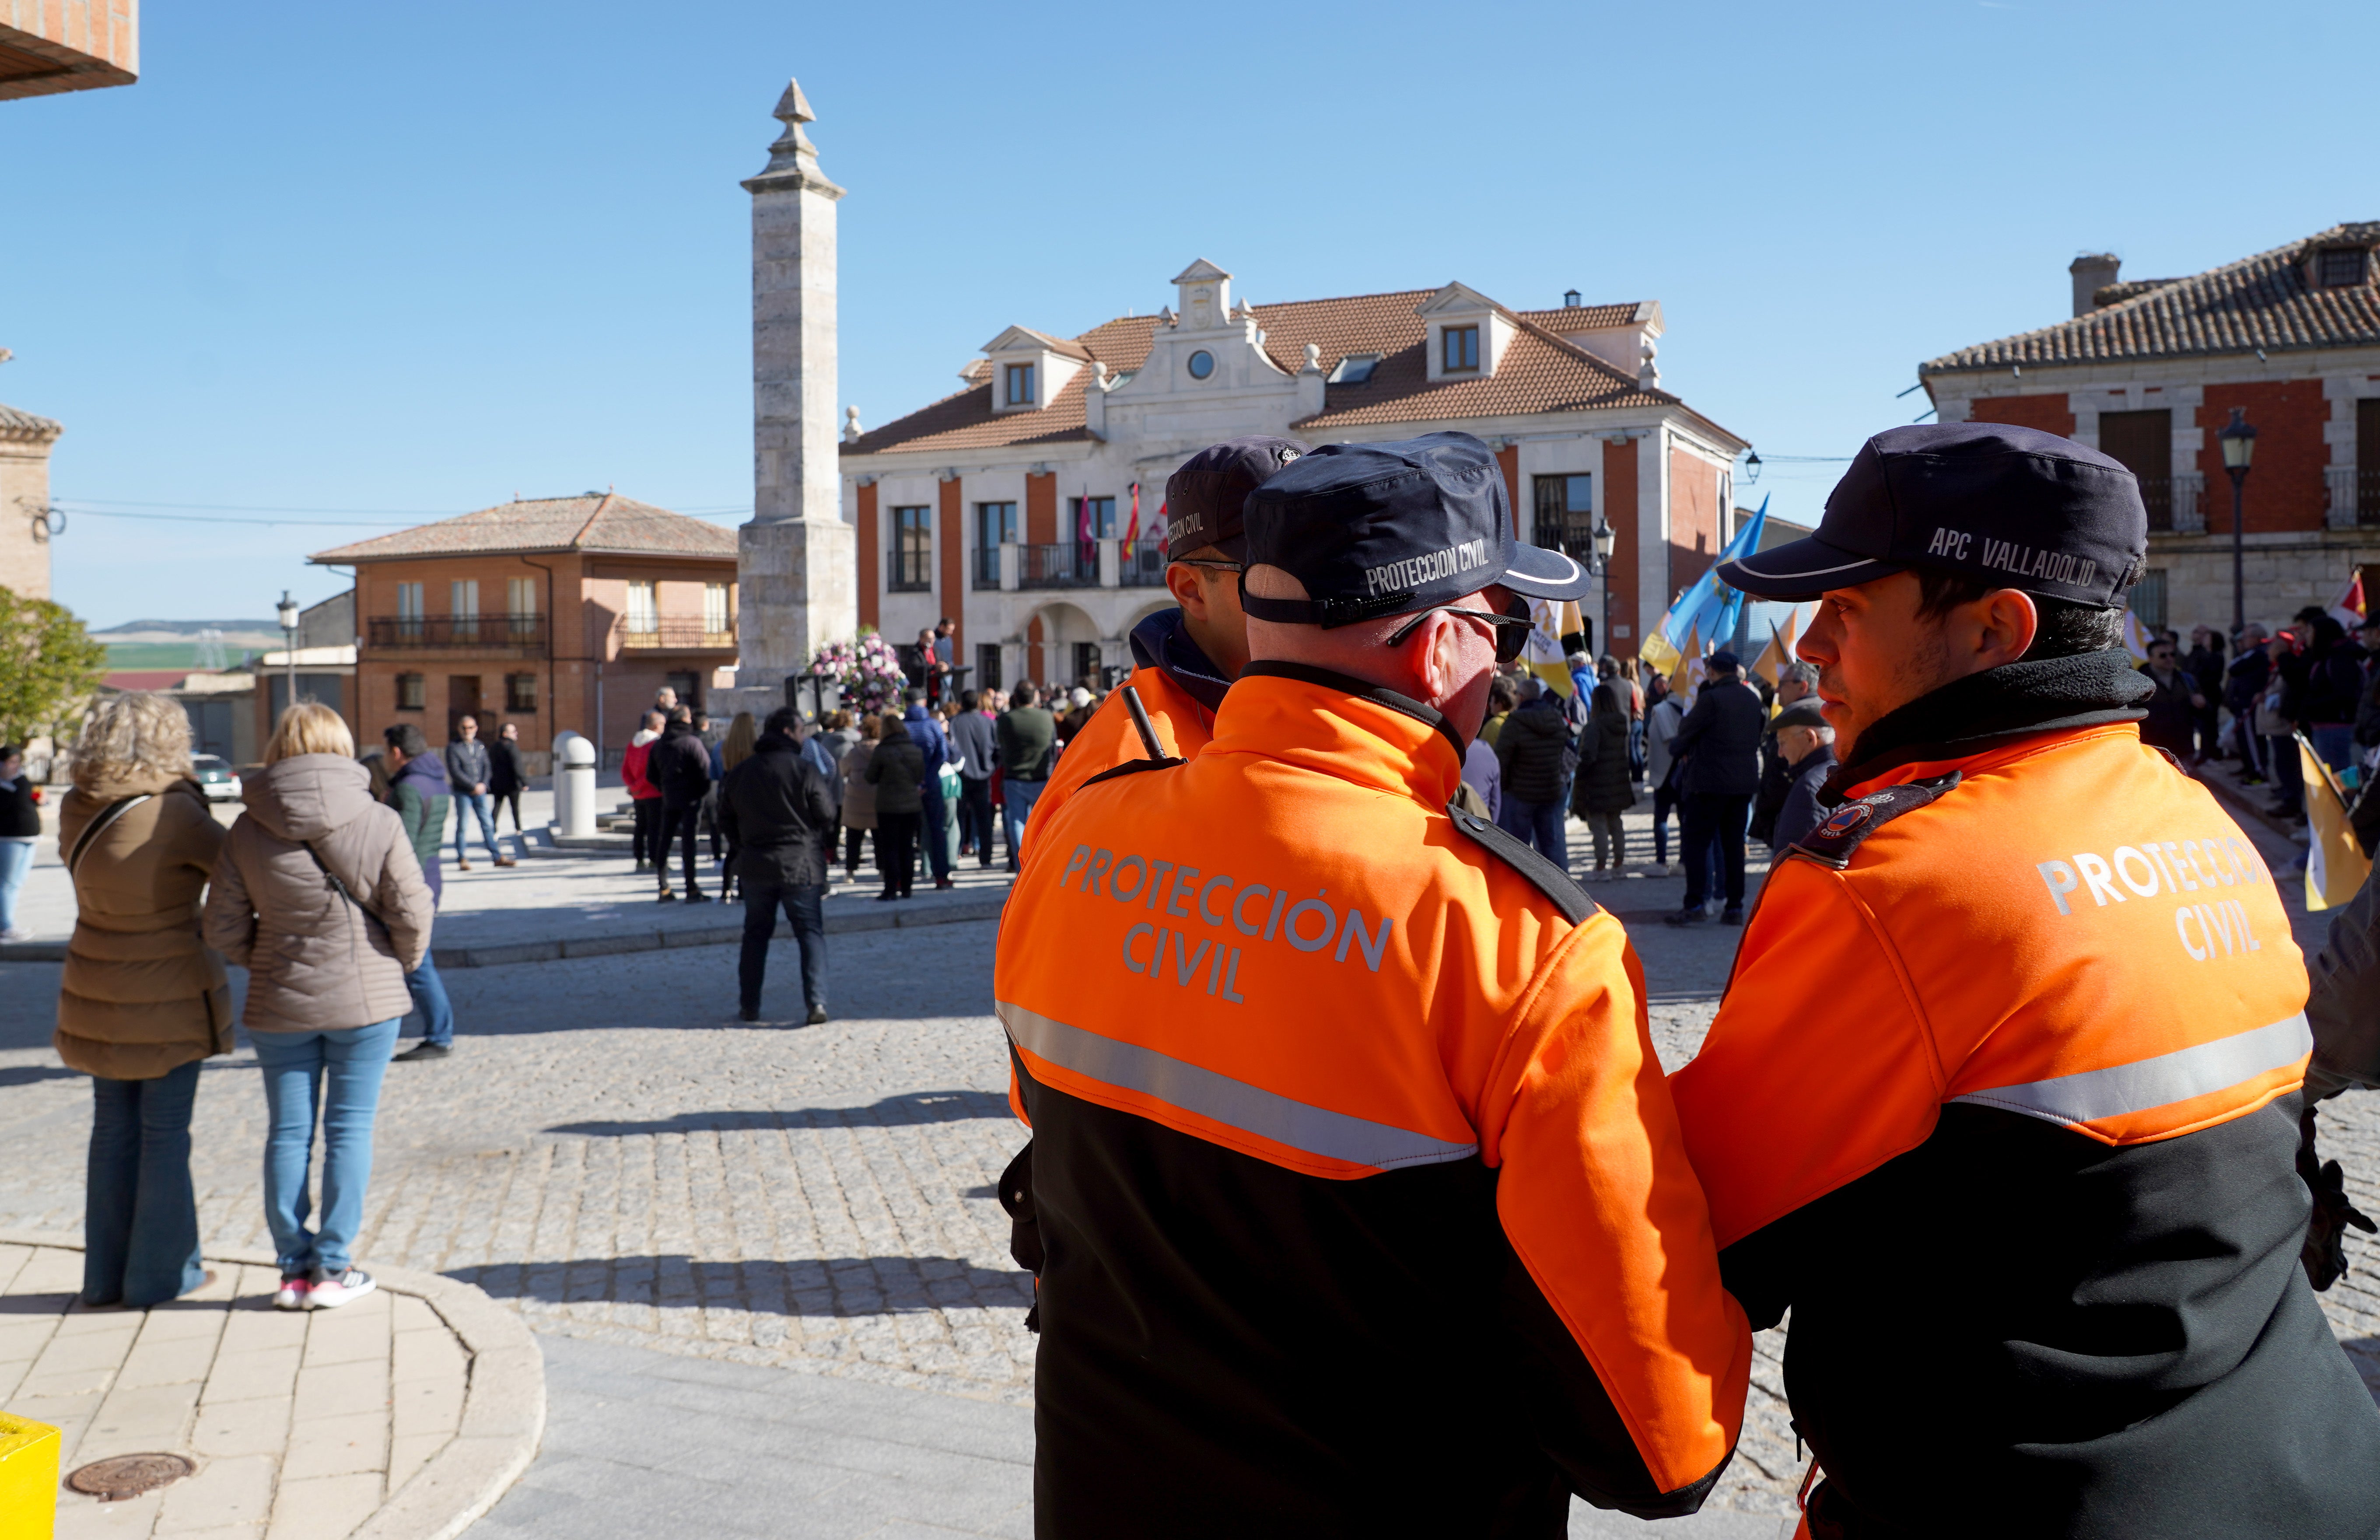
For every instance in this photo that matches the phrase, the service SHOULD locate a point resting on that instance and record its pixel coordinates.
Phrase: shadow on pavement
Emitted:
(910, 1107)
(832, 1286)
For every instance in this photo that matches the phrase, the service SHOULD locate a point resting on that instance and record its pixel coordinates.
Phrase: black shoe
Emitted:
(643, 866)
(749, 1014)
(695, 895)
(818, 1015)
(423, 1049)
(665, 896)
(1734, 914)
(887, 896)
(1691, 915)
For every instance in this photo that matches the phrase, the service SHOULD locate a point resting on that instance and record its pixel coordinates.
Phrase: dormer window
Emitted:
(2341, 267)
(1461, 350)
(1018, 390)
(1353, 370)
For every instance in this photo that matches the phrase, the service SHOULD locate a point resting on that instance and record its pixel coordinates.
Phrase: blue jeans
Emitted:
(2335, 744)
(16, 860)
(296, 1066)
(429, 993)
(139, 1214)
(804, 908)
(1538, 824)
(1017, 798)
(484, 806)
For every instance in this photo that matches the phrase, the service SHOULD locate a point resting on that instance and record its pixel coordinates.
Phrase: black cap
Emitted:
(1203, 498)
(2014, 507)
(1725, 661)
(1804, 712)
(1378, 530)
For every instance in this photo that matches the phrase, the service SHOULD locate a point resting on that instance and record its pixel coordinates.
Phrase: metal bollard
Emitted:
(574, 785)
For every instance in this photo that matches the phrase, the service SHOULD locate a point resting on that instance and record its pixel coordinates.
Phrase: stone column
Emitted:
(796, 561)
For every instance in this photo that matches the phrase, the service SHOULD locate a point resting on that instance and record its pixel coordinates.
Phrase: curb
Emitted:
(503, 1402)
(606, 944)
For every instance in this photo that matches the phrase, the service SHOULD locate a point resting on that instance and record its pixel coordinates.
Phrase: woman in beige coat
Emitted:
(142, 1001)
(319, 896)
(858, 795)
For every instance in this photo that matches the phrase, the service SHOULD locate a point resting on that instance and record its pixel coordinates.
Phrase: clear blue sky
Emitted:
(383, 263)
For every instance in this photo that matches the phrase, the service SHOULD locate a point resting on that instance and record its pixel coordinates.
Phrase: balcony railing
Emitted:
(2157, 491)
(2354, 496)
(516, 635)
(1068, 564)
(987, 566)
(1140, 565)
(646, 635)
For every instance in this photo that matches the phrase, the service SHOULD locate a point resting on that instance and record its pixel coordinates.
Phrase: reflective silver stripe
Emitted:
(1253, 1110)
(2159, 1082)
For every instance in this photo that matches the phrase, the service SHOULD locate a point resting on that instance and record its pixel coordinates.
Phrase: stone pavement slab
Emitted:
(401, 1416)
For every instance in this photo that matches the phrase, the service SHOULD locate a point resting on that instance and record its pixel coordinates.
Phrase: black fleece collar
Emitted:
(1347, 684)
(1984, 710)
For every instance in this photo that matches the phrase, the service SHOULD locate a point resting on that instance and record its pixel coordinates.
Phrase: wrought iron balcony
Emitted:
(490, 635)
(2354, 496)
(665, 634)
(1140, 565)
(1067, 564)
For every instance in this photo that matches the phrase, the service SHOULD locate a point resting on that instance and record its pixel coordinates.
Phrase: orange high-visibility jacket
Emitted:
(1362, 1204)
(1982, 1107)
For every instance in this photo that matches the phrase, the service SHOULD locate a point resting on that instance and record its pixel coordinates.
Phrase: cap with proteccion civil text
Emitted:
(1376, 529)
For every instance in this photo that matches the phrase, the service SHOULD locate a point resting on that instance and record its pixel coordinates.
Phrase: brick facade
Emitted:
(2049, 414)
(2285, 487)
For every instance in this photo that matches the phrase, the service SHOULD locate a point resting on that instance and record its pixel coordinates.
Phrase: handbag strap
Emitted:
(92, 829)
(341, 887)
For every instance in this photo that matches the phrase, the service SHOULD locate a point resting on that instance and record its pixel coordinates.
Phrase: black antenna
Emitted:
(1140, 719)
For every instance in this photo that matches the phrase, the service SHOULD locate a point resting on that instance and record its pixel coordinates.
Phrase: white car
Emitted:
(216, 777)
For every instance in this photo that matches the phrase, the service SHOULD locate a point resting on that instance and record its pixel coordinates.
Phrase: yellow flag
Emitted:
(1658, 654)
(2336, 865)
(1688, 674)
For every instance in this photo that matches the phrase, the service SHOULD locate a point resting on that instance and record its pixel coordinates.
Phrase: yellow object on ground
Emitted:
(29, 1479)
(2336, 865)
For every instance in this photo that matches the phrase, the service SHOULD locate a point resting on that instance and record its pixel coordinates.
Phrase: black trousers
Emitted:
(975, 815)
(1714, 821)
(805, 909)
(509, 799)
(681, 823)
(896, 849)
(646, 837)
(854, 842)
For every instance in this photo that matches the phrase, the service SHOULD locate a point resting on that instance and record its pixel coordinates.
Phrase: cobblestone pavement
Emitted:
(614, 1157)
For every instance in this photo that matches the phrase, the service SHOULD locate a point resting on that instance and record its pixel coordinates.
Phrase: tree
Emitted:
(48, 666)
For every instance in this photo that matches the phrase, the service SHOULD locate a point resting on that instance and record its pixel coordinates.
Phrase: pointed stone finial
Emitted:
(793, 159)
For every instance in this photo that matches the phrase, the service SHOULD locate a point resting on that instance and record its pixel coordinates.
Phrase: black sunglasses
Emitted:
(1511, 628)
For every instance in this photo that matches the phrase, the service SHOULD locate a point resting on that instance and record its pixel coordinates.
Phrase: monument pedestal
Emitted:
(798, 598)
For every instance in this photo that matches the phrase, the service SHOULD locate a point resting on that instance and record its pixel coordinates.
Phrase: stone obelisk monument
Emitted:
(797, 567)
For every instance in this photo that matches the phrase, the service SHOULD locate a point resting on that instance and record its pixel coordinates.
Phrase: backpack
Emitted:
(1576, 710)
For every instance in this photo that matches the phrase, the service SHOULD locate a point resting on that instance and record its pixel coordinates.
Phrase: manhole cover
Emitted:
(128, 1475)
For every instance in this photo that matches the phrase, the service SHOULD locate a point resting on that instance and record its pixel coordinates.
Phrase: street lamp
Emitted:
(289, 608)
(2239, 441)
(1603, 537)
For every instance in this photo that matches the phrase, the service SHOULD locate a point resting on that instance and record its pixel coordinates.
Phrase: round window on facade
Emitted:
(1202, 364)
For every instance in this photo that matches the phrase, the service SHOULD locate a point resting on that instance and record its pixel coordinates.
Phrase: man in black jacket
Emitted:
(1531, 747)
(680, 766)
(1806, 747)
(779, 817)
(1795, 681)
(1720, 742)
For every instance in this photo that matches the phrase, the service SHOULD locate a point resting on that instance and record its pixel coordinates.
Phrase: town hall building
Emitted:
(1010, 505)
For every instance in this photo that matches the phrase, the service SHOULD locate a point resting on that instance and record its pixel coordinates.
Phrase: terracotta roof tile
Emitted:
(1582, 318)
(2260, 302)
(1540, 373)
(602, 523)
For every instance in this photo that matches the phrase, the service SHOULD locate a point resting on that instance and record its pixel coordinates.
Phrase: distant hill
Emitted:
(166, 630)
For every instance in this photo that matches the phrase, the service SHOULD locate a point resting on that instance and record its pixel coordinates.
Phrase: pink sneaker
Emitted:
(292, 1293)
(333, 1290)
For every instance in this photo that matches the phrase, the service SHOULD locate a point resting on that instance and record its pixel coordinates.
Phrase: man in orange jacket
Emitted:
(1184, 659)
(2002, 1100)
(1357, 1199)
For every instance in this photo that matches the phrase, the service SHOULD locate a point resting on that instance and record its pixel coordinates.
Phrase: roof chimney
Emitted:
(2092, 271)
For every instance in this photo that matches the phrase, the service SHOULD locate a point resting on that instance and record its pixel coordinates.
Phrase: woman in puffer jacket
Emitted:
(317, 893)
(142, 1002)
